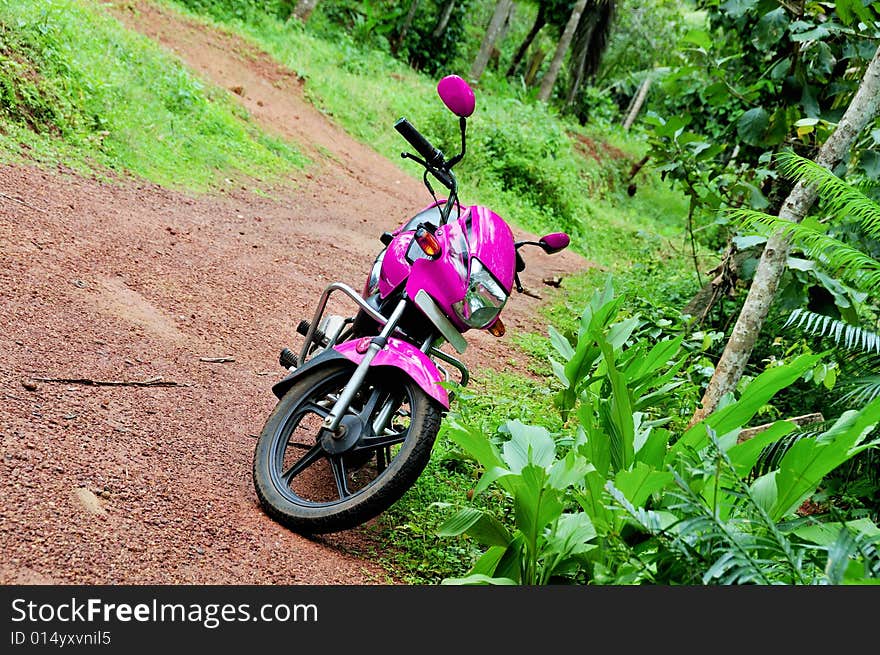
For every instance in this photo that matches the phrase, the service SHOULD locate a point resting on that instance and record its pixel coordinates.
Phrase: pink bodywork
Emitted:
(406, 357)
(480, 231)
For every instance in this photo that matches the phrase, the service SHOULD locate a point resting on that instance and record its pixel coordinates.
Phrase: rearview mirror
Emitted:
(457, 95)
(552, 243)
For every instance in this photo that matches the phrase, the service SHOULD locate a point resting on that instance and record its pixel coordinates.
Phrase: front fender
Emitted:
(281, 387)
(407, 358)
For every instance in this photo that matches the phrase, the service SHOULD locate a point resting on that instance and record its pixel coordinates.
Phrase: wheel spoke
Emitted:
(370, 405)
(318, 409)
(340, 477)
(371, 443)
(302, 463)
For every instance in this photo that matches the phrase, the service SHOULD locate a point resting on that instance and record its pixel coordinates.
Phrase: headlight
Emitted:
(484, 298)
(373, 281)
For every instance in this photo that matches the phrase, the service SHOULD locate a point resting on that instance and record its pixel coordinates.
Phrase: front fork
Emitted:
(377, 343)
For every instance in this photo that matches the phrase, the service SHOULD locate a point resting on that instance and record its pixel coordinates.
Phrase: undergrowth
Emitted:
(115, 103)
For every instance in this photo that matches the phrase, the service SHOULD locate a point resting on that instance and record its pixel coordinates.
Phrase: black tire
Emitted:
(312, 501)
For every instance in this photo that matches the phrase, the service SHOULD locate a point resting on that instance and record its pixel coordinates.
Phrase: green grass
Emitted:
(522, 160)
(117, 104)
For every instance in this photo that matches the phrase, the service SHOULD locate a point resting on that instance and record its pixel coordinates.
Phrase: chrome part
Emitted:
(331, 422)
(484, 299)
(446, 328)
(322, 304)
(449, 359)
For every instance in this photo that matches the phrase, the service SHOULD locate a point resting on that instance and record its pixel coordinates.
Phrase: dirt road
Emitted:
(132, 282)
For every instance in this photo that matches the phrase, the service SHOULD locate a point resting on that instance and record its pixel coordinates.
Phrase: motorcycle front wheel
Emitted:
(314, 482)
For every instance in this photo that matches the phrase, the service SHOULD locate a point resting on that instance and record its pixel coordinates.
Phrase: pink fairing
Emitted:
(405, 357)
(493, 244)
(445, 279)
(395, 268)
(457, 95)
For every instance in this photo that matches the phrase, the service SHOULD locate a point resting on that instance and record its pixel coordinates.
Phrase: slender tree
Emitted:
(407, 23)
(862, 109)
(589, 43)
(496, 25)
(549, 79)
(540, 22)
(443, 20)
(302, 10)
(637, 103)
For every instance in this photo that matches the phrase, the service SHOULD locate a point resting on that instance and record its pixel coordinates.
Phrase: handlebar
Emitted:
(432, 155)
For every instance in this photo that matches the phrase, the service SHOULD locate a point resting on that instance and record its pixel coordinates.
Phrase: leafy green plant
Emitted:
(648, 505)
(117, 103)
(546, 543)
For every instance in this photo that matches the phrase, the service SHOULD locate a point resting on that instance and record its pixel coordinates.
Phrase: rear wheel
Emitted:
(315, 482)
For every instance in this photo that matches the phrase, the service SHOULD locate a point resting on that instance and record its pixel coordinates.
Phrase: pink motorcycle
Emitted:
(362, 404)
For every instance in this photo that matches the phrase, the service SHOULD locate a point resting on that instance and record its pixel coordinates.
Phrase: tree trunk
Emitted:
(862, 109)
(303, 10)
(534, 66)
(638, 103)
(499, 18)
(589, 44)
(407, 23)
(443, 21)
(550, 76)
(540, 21)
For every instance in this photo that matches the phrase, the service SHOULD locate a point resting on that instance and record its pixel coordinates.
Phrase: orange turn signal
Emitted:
(497, 328)
(428, 243)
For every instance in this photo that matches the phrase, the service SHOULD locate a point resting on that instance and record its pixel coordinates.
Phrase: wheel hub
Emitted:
(345, 438)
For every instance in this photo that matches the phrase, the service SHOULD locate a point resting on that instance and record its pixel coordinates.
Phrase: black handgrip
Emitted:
(431, 154)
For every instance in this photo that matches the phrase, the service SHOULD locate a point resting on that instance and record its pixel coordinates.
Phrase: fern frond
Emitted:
(840, 197)
(861, 391)
(849, 336)
(849, 547)
(772, 454)
(842, 260)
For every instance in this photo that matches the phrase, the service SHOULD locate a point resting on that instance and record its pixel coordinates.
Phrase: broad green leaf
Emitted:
(569, 471)
(745, 454)
(592, 501)
(870, 164)
(560, 343)
(808, 461)
(492, 475)
(597, 450)
(559, 371)
(698, 38)
(737, 414)
(483, 527)
(818, 32)
(825, 534)
(640, 482)
(475, 444)
(658, 357)
(764, 490)
(621, 416)
(620, 332)
(489, 562)
(478, 579)
(535, 503)
(737, 8)
(654, 449)
(529, 444)
(770, 29)
(752, 126)
(569, 538)
(459, 522)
